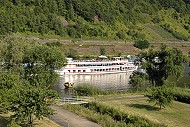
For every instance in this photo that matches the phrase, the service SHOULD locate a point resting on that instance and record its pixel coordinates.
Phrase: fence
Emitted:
(74, 100)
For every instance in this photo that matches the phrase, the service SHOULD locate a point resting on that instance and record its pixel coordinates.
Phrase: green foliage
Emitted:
(8, 80)
(181, 94)
(41, 61)
(176, 34)
(27, 71)
(71, 53)
(160, 64)
(87, 90)
(12, 52)
(137, 81)
(162, 96)
(28, 103)
(98, 19)
(102, 51)
(129, 120)
(142, 44)
(54, 44)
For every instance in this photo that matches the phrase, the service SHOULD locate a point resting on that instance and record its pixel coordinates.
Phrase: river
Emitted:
(118, 81)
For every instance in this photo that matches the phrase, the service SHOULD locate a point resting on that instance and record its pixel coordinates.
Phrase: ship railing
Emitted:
(98, 60)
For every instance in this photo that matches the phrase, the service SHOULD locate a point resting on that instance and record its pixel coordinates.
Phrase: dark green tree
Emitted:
(137, 81)
(27, 71)
(162, 63)
(102, 51)
(142, 44)
(72, 53)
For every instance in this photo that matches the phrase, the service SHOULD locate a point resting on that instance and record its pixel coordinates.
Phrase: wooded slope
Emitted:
(153, 20)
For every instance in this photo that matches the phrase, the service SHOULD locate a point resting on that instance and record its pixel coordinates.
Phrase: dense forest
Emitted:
(153, 20)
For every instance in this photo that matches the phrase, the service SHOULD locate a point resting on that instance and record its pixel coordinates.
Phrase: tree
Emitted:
(72, 53)
(102, 51)
(142, 44)
(27, 71)
(137, 80)
(162, 96)
(25, 101)
(160, 64)
(12, 51)
(40, 63)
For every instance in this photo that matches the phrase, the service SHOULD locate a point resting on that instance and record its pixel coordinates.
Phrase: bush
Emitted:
(142, 44)
(181, 94)
(137, 81)
(129, 120)
(87, 90)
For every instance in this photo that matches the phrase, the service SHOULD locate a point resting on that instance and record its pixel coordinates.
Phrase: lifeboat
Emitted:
(68, 85)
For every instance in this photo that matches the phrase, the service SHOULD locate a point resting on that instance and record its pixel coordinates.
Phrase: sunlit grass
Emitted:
(176, 115)
(45, 122)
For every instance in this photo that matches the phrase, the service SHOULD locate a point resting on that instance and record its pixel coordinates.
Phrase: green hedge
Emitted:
(182, 94)
(129, 120)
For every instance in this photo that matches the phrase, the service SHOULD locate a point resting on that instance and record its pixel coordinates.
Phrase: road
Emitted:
(68, 119)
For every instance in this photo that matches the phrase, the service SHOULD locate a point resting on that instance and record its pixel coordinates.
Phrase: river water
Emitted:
(118, 81)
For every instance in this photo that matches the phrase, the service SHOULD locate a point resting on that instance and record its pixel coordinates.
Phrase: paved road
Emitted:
(68, 119)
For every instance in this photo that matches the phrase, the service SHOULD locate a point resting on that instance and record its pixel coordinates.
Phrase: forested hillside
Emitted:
(153, 20)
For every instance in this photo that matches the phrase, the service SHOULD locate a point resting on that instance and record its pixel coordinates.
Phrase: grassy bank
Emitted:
(176, 115)
(38, 123)
(108, 116)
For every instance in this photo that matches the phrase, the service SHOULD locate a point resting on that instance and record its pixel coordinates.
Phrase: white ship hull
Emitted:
(97, 67)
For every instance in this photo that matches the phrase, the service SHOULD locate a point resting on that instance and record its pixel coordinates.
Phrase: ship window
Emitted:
(83, 70)
(79, 70)
(74, 70)
(69, 71)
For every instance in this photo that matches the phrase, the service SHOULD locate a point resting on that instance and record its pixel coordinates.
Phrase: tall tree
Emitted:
(160, 64)
(12, 52)
(40, 63)
(27, 70)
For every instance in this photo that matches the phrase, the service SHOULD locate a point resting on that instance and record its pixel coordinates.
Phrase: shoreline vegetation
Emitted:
(182, 94)
(37, 35)
(127, 109)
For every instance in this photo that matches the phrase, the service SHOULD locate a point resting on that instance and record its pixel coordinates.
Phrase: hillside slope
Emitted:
(153, 20)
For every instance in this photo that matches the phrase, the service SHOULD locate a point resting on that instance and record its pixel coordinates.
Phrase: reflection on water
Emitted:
(103, 81)
(108, 81)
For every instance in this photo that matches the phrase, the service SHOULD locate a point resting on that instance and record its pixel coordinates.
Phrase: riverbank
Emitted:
(175, 115)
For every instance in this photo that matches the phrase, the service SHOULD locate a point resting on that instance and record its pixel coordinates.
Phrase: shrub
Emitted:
(142, 44)
(129, 120)
(181, 94)
(88, 90)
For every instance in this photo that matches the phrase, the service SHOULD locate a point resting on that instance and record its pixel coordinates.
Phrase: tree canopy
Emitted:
(115, 19)
(162, 63)
(27, 70)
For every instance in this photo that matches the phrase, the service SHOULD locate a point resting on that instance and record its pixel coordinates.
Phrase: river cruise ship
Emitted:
(100, 66)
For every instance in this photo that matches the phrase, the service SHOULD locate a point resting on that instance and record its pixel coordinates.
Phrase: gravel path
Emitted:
(68, 119)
